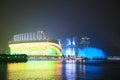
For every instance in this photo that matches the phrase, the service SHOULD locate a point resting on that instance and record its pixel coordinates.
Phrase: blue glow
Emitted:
(73, 42)
(91, 53)
(72, 48)
(68, 42)
(69, 51)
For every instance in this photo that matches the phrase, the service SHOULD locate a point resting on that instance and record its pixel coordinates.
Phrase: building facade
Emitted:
(34, 43)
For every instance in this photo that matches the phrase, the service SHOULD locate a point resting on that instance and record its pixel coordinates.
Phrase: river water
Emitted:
(59, 70)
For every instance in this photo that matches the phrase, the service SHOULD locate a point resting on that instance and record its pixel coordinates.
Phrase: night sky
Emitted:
(97, 19)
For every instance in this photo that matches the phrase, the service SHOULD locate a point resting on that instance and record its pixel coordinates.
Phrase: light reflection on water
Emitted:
(58, 70)
(45, 70)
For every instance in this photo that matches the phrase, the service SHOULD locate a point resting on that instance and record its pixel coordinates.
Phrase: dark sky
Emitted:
(97, 19)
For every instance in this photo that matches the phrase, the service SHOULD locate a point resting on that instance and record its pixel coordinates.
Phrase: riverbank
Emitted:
(13, 58)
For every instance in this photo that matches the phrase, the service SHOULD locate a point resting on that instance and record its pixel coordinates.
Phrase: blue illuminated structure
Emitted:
(69, 47)
(72, 48)
(91, 53)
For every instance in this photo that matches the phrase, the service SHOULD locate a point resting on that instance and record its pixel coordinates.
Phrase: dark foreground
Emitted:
(13, 58)
(61, 70)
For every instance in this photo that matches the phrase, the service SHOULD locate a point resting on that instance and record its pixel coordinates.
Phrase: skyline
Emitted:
(98, 20)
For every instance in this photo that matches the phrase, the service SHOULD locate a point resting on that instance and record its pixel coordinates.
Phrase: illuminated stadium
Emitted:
(34, 43)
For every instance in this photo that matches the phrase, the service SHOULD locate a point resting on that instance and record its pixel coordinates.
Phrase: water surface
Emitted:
(59, 70)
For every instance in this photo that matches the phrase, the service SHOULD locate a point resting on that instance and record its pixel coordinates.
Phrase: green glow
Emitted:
(36, 48)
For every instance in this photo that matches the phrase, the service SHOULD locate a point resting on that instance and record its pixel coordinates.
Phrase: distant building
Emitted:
(34, 43)
(84, 42)
(69, 47)
(73, 47)
(37, 43)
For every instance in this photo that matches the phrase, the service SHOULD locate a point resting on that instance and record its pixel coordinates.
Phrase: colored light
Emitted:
(91, 53)
(36, 48)
(35, 70)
